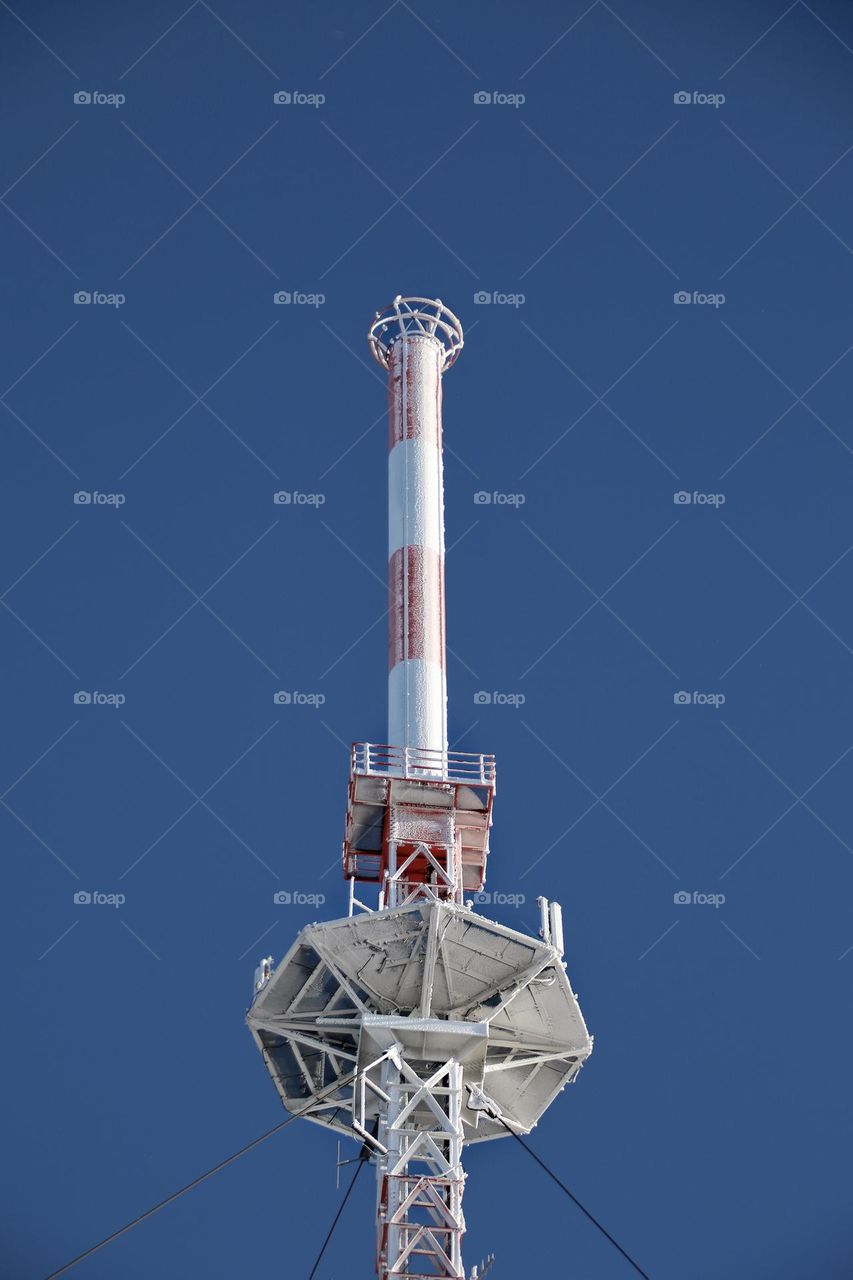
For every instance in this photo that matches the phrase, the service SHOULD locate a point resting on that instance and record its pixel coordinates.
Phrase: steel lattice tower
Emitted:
(418, 1025)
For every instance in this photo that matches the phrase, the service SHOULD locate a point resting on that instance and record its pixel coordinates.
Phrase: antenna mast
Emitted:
(417, 1025)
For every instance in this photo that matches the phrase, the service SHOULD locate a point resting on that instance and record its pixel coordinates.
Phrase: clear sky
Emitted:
(710, 1130)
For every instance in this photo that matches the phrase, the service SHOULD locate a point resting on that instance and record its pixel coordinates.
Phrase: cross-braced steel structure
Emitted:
(414, 1023)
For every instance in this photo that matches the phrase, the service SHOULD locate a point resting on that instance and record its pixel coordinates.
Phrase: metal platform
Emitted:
(400, 797)
(440, 982)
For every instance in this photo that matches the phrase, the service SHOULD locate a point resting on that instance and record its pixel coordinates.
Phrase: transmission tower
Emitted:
(415, 1024)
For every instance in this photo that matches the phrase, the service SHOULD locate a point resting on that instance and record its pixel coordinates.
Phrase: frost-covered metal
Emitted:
(415, 340)
(415, 1024)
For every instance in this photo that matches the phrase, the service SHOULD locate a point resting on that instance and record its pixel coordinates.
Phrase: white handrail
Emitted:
(423, 762)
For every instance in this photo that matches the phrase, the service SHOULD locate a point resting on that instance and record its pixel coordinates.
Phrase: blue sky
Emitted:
(659, 589)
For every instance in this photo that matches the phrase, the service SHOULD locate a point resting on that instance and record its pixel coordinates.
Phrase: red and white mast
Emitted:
(418, 1025)
(415, 340)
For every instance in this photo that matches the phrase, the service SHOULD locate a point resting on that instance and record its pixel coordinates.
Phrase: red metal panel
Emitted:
(416, 579)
